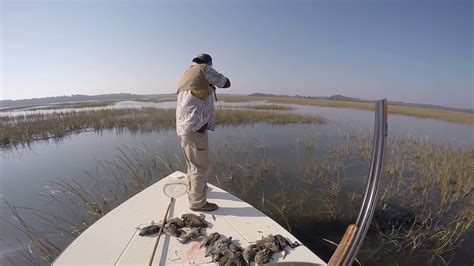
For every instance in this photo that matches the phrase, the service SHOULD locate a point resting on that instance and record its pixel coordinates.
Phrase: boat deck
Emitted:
(114, 238)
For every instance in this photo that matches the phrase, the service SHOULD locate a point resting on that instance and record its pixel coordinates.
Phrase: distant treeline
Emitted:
(351, 99)
(72, 98)
(130, 96)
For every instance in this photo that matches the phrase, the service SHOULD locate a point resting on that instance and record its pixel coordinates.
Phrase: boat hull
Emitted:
(114, 238)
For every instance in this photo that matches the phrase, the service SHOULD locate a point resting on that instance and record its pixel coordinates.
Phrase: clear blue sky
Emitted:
(414, 51)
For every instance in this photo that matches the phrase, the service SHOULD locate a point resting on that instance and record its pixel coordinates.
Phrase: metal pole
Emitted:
(370, 198)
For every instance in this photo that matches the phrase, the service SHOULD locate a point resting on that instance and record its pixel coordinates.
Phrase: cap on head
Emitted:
(203, 59)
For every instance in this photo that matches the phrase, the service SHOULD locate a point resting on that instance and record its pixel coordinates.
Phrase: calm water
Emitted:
(340, 118)
(26, 171)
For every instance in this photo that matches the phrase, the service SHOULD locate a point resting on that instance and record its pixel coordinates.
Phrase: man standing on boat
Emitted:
(194, 117)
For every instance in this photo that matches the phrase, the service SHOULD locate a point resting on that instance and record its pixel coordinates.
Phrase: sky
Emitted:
(412, 51)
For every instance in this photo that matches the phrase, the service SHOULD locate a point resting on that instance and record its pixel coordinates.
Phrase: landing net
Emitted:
(175, 190)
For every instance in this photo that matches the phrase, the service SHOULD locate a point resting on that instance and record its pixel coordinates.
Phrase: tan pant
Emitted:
(196, 151)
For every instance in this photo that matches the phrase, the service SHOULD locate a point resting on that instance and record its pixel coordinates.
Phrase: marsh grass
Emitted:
(75, 105)
(449, 116)
(276, 107)
(426, 203)
(114, 181)
(434, 185)
(237, 98)
(424, 211)
(47, 250)
(25, 129)
(155, 100)
(246, 117)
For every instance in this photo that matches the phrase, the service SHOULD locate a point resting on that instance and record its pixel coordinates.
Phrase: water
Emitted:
(341, 118)
(117, 105)
(25, 172)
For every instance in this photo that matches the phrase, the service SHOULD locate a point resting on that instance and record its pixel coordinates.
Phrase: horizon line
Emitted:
(279, 95)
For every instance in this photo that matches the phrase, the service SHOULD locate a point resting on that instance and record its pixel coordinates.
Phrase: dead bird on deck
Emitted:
(176, 221)
(172, 229)
(250, 252)
(234, 248)
(194, 234)
(230, 258)
(223, 251)
(263, 256)
(149, 230)
(217, 249)
(192, 220)
(210, 239)
(284, 241)
(263, 249)
(275, 243)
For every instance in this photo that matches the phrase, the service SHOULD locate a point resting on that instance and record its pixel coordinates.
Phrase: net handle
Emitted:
(150, 262)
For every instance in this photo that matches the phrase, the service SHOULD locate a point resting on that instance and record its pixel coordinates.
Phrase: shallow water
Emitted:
(26, 171)
(117, 105)
(341, 118)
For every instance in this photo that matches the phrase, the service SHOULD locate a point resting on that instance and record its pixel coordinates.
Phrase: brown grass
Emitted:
(431, 182)
(274, 107)
(449, 116)
(155, 100)
(76, 105)
(25, 129)
(237, 98)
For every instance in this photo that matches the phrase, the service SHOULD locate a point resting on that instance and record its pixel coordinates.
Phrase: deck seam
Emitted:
(236, 229)
(126, 246)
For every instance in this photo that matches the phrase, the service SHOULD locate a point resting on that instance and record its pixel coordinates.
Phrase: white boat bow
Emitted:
(114, 239)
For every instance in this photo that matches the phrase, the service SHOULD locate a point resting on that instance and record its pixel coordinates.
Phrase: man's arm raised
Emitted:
(215, 78)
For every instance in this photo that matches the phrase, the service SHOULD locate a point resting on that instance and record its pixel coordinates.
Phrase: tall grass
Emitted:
(435, 185)
(24, 129)
(424, 211)
(75, 105)
(237, 98)
(276, 107)
(450, 116)
(246, 117)
(444, 115)
(80, 205)
(156, 100)
(426, 199)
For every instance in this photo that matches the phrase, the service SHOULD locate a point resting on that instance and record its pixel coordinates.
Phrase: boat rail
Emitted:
(355, 233)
